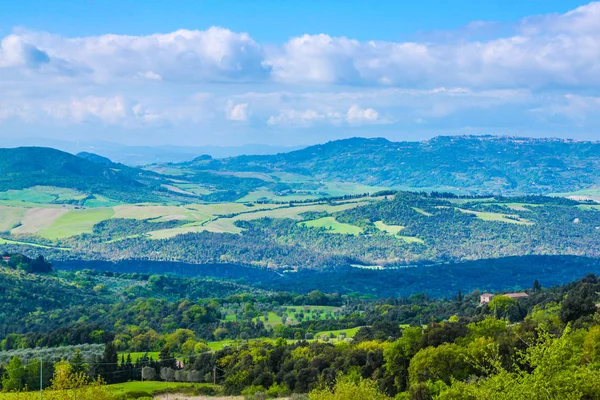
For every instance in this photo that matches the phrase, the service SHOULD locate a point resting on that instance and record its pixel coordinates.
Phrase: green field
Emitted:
(585, 194)
(10, 217)
(75, 222)
(492, 216)
(41, 246)
(151, 387)
(351, 332)
(391, 229)
(136, 355)
(421, 211)
(411, 239)
(36, 219)
(43, 195)
(589, 207)
(331, 225)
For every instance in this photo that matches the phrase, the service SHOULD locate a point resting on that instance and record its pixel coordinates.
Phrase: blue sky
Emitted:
(297, 72)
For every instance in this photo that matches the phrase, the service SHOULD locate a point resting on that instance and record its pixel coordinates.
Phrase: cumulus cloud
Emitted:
(548, 66)
(356, 115)
(216, 54)
(237, 112)
(549, 51)
(17, 52)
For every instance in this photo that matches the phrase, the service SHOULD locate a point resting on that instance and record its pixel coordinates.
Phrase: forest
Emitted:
(413, 347)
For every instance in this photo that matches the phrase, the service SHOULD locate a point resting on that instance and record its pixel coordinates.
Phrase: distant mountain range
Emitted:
(144, 155)
(26, 167)
(467, 164)
(475, 164)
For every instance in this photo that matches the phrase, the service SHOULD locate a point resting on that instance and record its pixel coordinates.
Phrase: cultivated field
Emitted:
(331, 225)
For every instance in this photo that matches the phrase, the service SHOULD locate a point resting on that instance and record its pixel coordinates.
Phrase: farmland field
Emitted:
(41, 246)
(43, 195)
(10, 217)
(331, 225)
(75, 222)
(136, 355)
(35, 219)
(350, 333)
(492, 216)
(391, 229)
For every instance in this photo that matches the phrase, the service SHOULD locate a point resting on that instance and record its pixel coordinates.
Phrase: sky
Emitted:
(289, 73)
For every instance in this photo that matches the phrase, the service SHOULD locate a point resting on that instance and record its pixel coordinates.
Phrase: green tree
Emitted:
(14, 378)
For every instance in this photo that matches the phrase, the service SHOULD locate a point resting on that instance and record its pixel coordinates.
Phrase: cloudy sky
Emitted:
(297, 72)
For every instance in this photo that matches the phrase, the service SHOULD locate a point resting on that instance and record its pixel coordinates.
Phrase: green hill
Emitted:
(472, 164)
(26, 167)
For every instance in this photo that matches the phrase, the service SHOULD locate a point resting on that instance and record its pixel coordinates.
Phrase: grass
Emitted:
(518, 206)
(227, 225)
(411, 239)
(43, 195)
(100, 201)
(391, 229)
(266, 194)
(331, 225)
(335, 189)
(154, 387)
(219, 345)
(421, 211)
(193, 188)
(41, 246)
(75, 222)
(10, 217)
(351, 332)
(36, 219)
(589, 207)
(136, 355)
(157, 212)
(492, 216)
(585, 194)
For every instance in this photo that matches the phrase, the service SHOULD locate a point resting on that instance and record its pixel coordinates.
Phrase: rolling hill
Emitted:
(27, 167)
(468, 164)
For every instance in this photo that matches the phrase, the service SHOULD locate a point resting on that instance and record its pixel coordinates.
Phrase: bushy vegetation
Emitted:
(547, 344)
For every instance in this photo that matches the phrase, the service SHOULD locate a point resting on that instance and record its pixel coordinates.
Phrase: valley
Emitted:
(190, 272)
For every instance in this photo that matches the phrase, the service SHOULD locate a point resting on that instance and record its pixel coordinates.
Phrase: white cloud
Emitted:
(547, 69)
(215, 54)
(297, 118)
(556, 50)
(17, 52)
(356, 115)
(237, 112)
(153, 76)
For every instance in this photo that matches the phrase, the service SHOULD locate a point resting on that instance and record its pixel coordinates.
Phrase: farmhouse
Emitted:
(487, 297)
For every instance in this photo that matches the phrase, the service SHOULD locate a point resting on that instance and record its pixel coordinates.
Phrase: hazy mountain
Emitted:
(144, 155)
(24, 167)
(478, 164)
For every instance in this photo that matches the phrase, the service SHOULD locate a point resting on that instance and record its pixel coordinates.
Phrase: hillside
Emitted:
(473, 164)
(27, 167)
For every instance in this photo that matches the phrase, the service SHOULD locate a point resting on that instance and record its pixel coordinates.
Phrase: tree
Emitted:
(78, 362)
(14, 377)
(501, 306)
(579, 302)
(33, 374)
(444, 363)
(148, 373)
(536, 286)
(349, 387)
(167, 374)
